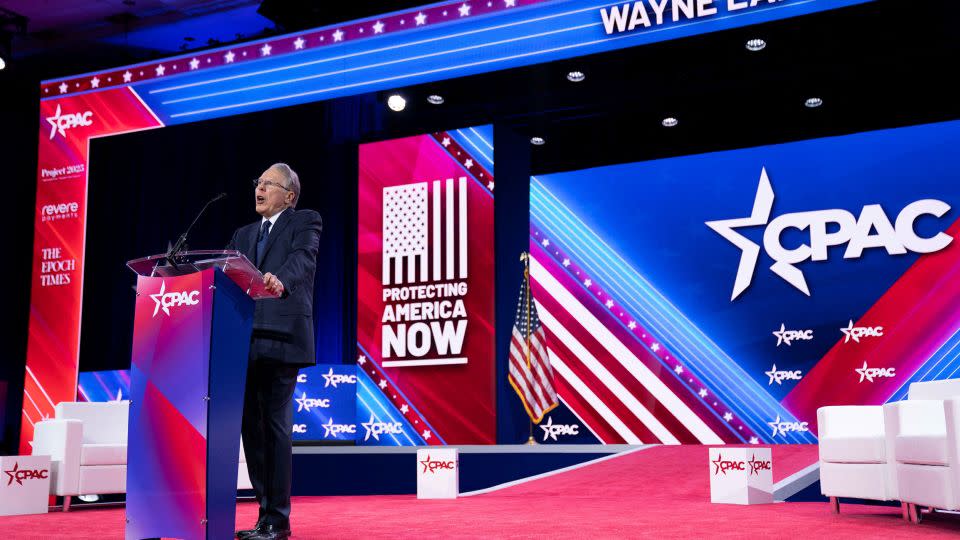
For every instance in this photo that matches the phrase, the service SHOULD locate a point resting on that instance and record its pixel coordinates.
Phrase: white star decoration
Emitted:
(421, 19)
(468, 163)
(194, 64)
(95, 83)
(655, 347)
(631, 325)
(161, 70)
(63, 88)
(265, 50)
(361, 359)
(703, 392)
(426, 434)
(127, 76)
(609, 303)
(228, 58)
(509, 3)
(587, 282)
(566, 262)
(404, 408)
(678, 369)
(464, 10)
(754, 440)
(727, 416)
(383, 383)
(298, 43)
(338, 35)
(490, 185)
(378, 28)
(445, 142)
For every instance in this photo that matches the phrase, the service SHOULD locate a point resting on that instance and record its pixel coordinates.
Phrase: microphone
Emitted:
(183, 237)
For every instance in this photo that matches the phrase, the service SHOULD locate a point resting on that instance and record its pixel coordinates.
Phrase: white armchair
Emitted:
(87, 445)
(855, 454)
(926, 434)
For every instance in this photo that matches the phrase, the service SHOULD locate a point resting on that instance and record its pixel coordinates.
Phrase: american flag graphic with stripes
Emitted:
(533, 380)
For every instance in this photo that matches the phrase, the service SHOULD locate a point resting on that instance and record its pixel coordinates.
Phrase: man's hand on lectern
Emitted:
(273, 284)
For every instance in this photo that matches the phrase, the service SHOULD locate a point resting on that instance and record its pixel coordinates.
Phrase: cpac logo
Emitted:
(857, 332)
(299, 428)
(721, 466)
(433, 466)
(759, 465)
(303, 402)
(165, 301)
(332, 430)
(782, 428)
(301, 377)
(333, 379)
(60, 123)
(897, 238)
(551, 430)
(787, 336)
(780, 376)
(381, 428)
(869, 373)
(18, 474)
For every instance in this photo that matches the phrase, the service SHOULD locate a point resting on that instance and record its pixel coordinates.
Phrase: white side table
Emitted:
(741, 475)
(24, 485)
(438, 473)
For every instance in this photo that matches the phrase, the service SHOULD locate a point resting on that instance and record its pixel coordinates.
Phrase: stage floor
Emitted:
(654, 492)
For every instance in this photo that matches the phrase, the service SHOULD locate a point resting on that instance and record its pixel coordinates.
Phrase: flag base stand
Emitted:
(531, 441)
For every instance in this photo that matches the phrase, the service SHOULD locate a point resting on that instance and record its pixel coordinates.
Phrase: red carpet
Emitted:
(661, 492)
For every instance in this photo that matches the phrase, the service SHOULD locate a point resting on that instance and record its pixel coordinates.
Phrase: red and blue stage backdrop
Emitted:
(727, 296)
(425, 288)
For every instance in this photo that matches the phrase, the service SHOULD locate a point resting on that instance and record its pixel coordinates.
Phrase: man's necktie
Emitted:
(262, 241)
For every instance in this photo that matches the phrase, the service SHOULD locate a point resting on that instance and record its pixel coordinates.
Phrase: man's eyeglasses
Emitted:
(267, 183)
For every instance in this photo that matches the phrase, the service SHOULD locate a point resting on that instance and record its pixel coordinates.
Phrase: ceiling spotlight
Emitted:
(2, 63)
(670, 121)
(539, 141)
(435, 99)
(813, 103)
(576, 76)
(396, 102)
(755, 45)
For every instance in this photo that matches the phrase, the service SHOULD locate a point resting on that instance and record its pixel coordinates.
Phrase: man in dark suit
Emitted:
(283, 244)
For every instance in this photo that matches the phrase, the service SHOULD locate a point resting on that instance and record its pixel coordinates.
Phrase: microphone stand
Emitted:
(172, 254)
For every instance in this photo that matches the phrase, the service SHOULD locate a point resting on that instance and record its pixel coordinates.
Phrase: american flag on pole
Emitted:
(531, 375)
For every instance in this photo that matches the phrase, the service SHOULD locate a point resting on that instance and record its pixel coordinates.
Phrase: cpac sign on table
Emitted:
(24, 485)
(741, 476)
(438, 473)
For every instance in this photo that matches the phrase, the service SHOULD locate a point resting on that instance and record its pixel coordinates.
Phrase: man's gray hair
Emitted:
(293, 181)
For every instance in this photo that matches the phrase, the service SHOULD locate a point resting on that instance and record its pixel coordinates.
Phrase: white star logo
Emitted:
(728, 417)
(608, 303)
(302, 402)
(338, 35)
(750, 252)
(545, 242)
(228, 58)
(566, 263)
(404, 408)
(194, 64)
(361, 359)
(490, 185)
(445, 142)
(368, 426)
(631, 325)
(703, 392)
(265, 50)
(426, 434)
(421, 19)
(864, 373)
(378, 28)
(158, 298)
(161, 70)
(298, 43)
(127, 76)
(655, 347)
(464, 10)
(848, 333)
(678, 370)
(468, 163)
(772, 374)
(329, 379)
(780, 335)
(548, 432)
(95, 82)
(63, 88)
(587, 282)
(383, 383)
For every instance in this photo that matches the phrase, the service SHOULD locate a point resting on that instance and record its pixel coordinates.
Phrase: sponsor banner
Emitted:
(765, 282)
(425, 278)
(324, 403)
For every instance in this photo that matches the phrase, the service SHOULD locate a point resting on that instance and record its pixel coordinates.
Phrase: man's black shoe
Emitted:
(271, 532)
(247, 533)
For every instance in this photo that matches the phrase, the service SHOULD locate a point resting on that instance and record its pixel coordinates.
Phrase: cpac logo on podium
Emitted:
(167, 300)
(433, 466)
(857, 233)
(60, 123)
(333, 379)
(19, 475)
(551, 430)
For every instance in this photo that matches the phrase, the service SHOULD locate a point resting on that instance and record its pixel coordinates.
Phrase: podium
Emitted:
(191, 340)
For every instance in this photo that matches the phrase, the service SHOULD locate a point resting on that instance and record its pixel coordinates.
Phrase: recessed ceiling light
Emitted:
(670, 121)
(576, 76)
(2, 63)
(396, 102)
(813, 103)
(755, 45)
(539, 141)
(435, 99)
